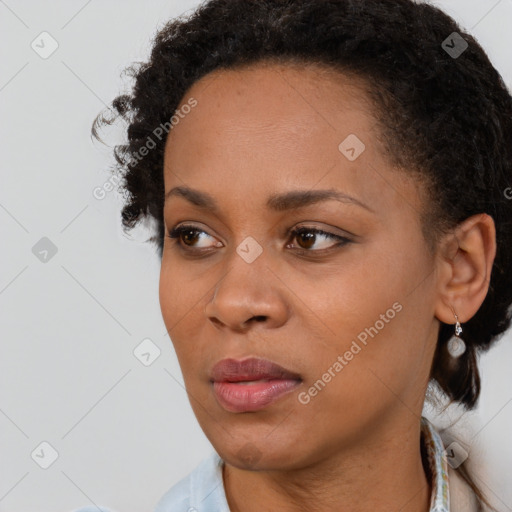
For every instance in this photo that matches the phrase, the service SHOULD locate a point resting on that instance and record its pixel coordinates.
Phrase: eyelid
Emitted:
(330, 230)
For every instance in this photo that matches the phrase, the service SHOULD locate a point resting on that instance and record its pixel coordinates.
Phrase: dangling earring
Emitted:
(456, 346)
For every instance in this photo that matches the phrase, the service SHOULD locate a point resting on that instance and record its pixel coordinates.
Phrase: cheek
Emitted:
(182, 286)
(170, 288)
(353, 295)
(378, 312)
(181, 306)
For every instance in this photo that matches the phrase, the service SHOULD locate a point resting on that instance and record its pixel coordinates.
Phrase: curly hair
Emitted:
(445, 117)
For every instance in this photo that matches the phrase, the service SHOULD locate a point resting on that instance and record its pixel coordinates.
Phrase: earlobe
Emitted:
(465, 261)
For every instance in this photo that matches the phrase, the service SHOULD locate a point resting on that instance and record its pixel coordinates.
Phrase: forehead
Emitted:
(293, 111)
(306, 94)
(272, 127)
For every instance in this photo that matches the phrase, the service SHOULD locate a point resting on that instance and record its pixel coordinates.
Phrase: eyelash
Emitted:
(175, 234)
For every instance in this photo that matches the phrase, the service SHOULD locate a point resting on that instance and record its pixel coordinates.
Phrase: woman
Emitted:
(329, 184)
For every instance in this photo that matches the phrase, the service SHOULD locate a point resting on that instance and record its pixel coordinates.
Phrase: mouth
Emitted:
(251, 384)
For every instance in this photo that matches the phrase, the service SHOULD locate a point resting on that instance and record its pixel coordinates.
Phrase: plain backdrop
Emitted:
(77, 296)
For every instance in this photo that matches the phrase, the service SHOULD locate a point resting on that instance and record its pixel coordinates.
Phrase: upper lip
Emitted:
(253, 368)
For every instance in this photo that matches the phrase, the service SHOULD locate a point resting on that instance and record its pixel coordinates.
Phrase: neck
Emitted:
(383, 472)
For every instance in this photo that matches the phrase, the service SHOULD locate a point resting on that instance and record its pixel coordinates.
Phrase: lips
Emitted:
(251, 384)
(232, 370)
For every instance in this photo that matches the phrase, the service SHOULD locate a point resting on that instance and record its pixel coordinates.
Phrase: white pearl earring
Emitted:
(456, 346)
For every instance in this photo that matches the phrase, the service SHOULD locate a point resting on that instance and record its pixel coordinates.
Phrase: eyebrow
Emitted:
(292, 200)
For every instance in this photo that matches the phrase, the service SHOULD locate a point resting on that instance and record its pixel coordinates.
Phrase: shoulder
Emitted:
(177, 497)
(203, 487)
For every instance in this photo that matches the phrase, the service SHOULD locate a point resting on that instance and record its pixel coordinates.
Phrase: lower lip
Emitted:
(241, 397)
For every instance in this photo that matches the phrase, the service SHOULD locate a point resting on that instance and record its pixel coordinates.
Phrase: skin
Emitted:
(269, 129)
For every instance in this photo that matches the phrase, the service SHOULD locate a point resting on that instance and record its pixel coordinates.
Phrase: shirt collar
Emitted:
(440, 498)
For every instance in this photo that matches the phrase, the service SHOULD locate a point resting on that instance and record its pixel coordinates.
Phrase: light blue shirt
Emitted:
(200, 491)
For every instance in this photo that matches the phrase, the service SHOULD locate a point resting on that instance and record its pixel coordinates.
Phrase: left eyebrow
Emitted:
(292, 200)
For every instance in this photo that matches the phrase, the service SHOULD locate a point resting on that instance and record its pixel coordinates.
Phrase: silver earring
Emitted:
(456, 345)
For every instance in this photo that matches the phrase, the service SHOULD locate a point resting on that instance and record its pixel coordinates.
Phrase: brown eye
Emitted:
(190, 236)
(308, 237)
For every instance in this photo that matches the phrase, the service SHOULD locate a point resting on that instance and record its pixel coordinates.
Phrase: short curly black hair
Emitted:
(443, 109)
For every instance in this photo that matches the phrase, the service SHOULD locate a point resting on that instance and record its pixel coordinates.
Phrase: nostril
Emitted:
(260, 318)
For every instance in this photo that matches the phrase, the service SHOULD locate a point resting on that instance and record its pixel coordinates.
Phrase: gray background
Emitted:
(124, 432)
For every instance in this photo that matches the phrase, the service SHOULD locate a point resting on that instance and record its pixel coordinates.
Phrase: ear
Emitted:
(464, 263)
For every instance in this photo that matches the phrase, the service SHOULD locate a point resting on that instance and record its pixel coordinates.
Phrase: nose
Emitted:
(248, 294)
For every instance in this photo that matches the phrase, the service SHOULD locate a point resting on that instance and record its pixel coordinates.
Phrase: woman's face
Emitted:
(350, 319)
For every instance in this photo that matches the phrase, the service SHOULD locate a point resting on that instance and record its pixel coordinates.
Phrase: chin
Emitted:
(259, 454)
